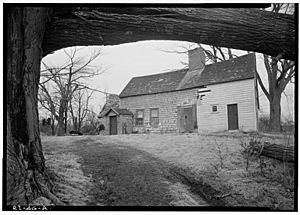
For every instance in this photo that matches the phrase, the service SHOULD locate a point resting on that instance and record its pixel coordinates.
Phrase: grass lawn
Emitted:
(92, 172)
(213, 160)
(217, 159)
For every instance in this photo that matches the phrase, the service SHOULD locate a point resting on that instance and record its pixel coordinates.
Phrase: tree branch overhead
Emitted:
(245, 29)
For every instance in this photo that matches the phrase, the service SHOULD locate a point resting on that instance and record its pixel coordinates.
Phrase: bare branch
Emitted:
(66, 80)
(286, 70)
(262, 86)
(267, 65)
(86, 87)
(221, 52)
(287, 79)
(230, 55)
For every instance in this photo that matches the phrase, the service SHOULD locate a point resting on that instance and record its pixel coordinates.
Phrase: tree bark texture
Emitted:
(25, 161)
(275, 112)
(278, 152)
(246, 29)
(61, 115)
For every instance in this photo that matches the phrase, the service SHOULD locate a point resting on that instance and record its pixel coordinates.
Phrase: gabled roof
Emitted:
(162, 82)
(226, 71)
(118, 111)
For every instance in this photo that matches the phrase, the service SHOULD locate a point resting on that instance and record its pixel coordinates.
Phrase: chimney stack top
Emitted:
(196, 59)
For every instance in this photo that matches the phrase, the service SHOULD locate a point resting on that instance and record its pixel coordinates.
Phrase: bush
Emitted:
(45, 130)
(89, 129)
(275, 170)
(288, 127)
(263, 123)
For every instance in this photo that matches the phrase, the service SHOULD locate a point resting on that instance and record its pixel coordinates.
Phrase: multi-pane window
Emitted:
(154, 117)
(139, 117)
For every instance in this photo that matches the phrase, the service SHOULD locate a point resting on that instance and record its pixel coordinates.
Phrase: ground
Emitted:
(166, 170)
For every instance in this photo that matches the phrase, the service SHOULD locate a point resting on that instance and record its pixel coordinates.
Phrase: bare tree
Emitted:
(64, 81)
(91, 122)
(49, 103)
(280, 72)
(213, 54)
(217, 54)
(79, 107)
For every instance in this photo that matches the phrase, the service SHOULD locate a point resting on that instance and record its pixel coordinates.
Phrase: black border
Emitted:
(6, 6)
(147, 4)
(4, 158)
(296, 97)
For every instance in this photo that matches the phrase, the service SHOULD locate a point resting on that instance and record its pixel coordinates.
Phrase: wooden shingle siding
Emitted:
(237, 92)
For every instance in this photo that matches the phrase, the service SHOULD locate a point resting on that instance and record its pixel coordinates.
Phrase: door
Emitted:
(113, 125)
(232, 112)
(186, 119)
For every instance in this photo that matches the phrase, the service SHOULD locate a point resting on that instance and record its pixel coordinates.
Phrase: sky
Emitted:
(120, 63)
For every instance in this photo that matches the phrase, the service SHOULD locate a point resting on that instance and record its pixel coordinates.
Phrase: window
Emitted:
(139, 117)
(154, 117)
(214, 108)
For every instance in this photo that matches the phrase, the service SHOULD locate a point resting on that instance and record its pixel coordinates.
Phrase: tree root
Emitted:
(41, 184)
(222, 196)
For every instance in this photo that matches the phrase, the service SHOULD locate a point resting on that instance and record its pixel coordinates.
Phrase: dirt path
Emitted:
(125, 176)
(164, 170)
(122, 176)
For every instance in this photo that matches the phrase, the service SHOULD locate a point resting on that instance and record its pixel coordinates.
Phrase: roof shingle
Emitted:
(226, 71)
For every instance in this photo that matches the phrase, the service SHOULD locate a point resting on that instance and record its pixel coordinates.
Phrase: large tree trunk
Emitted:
(26, 178)
(278, 152)
(238, 28)
(275, 112)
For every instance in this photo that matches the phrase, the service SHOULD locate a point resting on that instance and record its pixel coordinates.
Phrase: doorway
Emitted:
(232, 113)
(187, 118)
(113, 125)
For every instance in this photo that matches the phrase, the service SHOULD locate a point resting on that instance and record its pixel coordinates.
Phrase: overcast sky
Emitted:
(122, 62)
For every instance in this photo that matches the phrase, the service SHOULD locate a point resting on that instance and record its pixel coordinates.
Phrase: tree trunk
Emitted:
(61, 123)
(79, 125)
(66, 119)
(26, 176)
(239, 28)
(278, 152)
(275, 112)
(75, 127)
(53, 127)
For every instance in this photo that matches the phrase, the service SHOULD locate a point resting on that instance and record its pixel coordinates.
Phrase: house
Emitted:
(218, 97)
(117, 121)
(114, 120)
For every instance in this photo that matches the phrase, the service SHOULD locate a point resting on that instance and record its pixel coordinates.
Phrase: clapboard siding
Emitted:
(237, 92)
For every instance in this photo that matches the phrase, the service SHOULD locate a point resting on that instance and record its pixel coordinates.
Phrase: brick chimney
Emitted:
(196, 59)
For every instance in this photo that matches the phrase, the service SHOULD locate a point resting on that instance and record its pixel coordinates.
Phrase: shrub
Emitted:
(274, 170)
(288, 127)
(45, 129)
(89, 129)
(263, 123)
